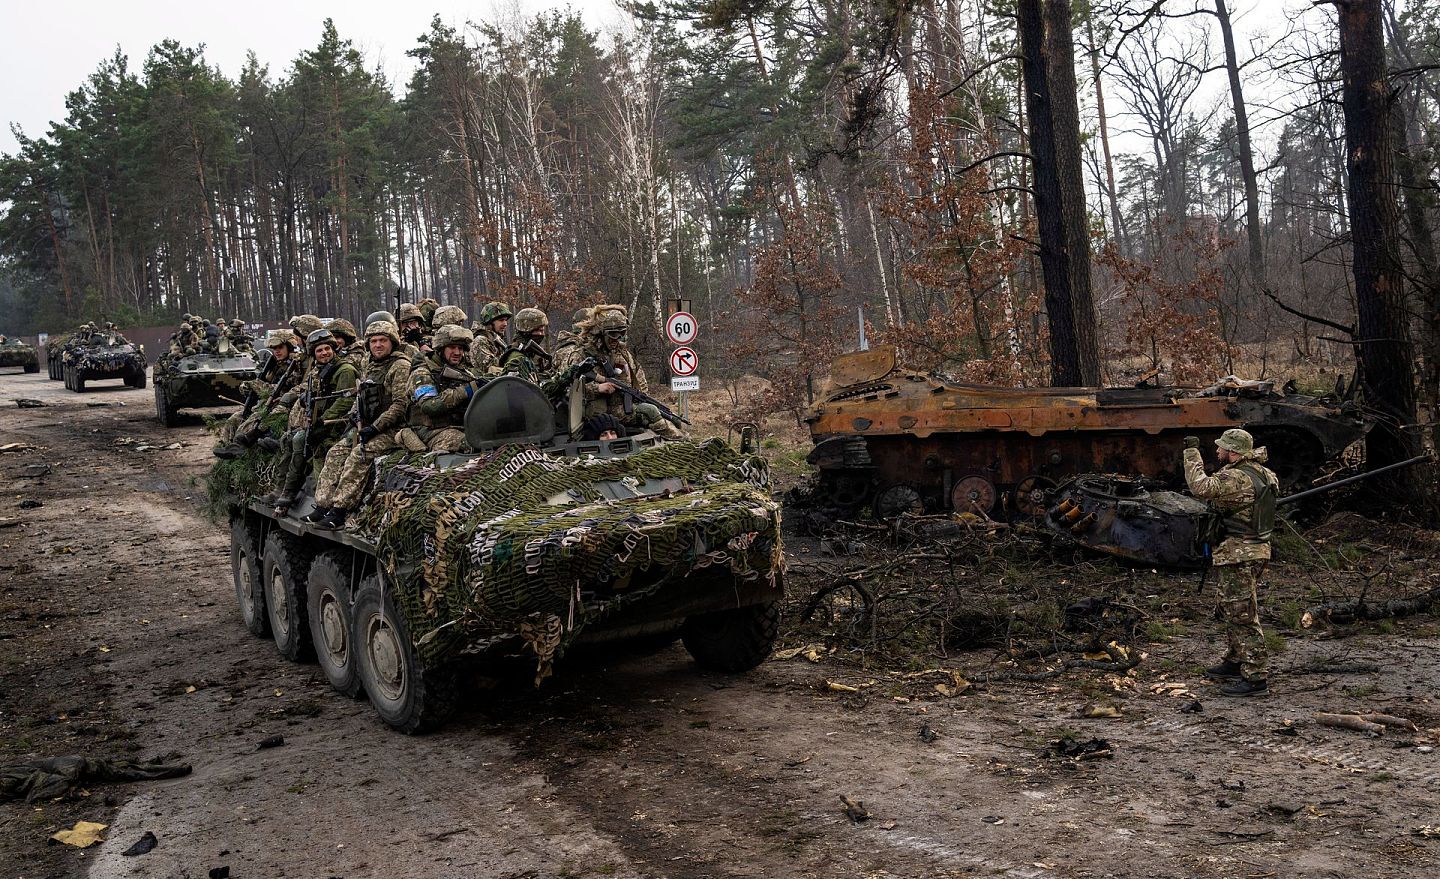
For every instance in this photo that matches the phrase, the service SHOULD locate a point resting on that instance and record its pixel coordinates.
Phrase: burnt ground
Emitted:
(118, 637)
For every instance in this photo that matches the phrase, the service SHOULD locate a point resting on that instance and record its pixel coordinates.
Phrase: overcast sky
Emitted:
(47, 48)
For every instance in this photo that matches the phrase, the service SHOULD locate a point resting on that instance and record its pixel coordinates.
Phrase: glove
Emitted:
(367, 433)
(1192, 442)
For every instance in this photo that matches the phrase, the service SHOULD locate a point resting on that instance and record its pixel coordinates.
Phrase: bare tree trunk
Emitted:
(1383, 328)
(1112, 196)
(1050, 95)
(1419, 201)
(1247, 156)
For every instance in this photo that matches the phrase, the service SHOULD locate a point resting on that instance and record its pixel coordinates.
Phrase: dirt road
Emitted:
(118, 637)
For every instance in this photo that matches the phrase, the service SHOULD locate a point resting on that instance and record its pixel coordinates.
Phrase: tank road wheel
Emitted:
(245, 568)
(845, 491)
(284, 569)
(1028, 498)
(65, 376)
(973, 493)
(50, 369)
(77, 381)
(733, 640)
(898, 500)
(329, 604)
(406, 695)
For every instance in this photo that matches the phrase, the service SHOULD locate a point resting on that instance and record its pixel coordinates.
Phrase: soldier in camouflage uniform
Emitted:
(528, 358)
(1244, 491)
(283, 352)
(413, 328)
(350, 349)
(427, 308)
(605, 342)
(571, 338)
(239, 338)
(489, 344)
(383, 396)
(441, 386)
(321, 402)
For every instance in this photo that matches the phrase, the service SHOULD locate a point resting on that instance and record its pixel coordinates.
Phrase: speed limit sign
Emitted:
(681, 328)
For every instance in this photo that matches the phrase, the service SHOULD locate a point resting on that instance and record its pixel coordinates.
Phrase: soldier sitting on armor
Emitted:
(448, 316)
(411, 322)
(528, 358)
(441, 386)
(349, 348)
(1244, 491)
(242, 428)
(321, 402)
(489, 344)
(238, 337)
(605, 342)
(382, 398)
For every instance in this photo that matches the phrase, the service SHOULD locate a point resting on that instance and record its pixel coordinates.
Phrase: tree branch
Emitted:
(1324, 322)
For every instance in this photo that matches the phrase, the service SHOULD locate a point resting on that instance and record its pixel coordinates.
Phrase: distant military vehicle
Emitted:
(105, 355)
(201, 381)
(55, 353)
(894, 440)
(14, 352)
(523, 547)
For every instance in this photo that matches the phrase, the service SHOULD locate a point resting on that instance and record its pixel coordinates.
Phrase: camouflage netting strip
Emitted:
(477, 551)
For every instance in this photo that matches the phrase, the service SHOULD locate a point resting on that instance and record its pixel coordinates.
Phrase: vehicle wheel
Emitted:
(284, 570)
(136, 380)
(163, 412)
(732, 640)
(329, 604)
(406, 695)
(65, 376)
(32, 367)
(245, 568)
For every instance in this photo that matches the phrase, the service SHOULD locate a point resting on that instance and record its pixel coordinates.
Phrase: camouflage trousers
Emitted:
(291, 463)
(347, 469)
(1238, 610)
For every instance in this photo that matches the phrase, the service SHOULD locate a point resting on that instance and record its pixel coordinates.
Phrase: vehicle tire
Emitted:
(329, 607)
(136, 380)
(245, 569)
(50, 368)
(32, 367)
(65, 376)
(284, 568)
(406, 695)
(163, 412)
(733, 640)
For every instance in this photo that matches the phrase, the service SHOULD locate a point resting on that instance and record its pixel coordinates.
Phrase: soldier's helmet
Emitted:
(379, 315)
(494, 311)
(305, 324)
(528, 320)
(237, 323)
(408, 311)
(448, 316)
(342, 328)
(580, 316)
(186, 318)
(610, 320)
(320, 337)
(427, 308)
(384, 328)
(1236, 440)
(276, 338)
(452, 334)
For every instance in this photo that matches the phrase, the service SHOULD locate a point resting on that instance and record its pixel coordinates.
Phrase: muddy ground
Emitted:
(118, 637)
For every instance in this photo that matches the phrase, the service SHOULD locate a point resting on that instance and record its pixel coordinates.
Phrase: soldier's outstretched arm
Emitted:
(1202, 486)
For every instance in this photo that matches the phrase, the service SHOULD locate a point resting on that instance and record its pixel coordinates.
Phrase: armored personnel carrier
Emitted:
(14, 352)
(105, 355)
(529, 544)
(200, 381)
(894, 440)
(55, 350)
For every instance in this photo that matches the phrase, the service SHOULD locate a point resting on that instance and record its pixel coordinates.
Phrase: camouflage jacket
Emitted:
(625, 367)
(486, 350)
(531, 367)
(1231, 491)
(320, 381)
(390, 376)
(439, 393)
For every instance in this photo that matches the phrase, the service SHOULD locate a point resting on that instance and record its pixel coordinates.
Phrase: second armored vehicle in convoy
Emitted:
(104, 355)
(200, 381)
(14, 352)
(522, 547)
(894, 440)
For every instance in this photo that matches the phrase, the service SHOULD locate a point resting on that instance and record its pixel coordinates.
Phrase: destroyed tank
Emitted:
(523, 547)
(14, 352)
(105, 355)
(894, 440)
(201, 381)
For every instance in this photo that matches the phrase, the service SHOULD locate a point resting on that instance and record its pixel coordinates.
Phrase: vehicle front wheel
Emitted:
(733, 640)
(330, 609)
(32, 367)
(245, 568)
(136, 380)
(163, 411)
(285, 568)
(406, 695)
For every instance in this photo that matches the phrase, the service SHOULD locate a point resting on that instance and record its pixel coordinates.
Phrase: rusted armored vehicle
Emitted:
(895, 440)
(530, 543)
(15, 352)
(201, 381)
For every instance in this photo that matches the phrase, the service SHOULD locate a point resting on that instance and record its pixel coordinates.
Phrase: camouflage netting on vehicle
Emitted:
(517, 541)
(253, 473)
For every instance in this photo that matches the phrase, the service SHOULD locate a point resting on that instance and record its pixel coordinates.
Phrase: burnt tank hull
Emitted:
(896, 440)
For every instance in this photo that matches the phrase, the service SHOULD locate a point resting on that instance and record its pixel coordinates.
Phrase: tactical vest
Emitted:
(1258, 520)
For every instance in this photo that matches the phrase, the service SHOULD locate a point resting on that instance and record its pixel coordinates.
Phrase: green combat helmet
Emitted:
(530, 320)
(385, 316)
(494, 311)
(1238, 441)
(428, 308)
(448, 316)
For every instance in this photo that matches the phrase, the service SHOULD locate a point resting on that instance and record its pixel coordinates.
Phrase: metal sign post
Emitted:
(681, 329)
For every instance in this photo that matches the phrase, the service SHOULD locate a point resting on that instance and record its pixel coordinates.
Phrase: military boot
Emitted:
(316, 515)
(1245, 687)
(1225, 671)
(334, 519)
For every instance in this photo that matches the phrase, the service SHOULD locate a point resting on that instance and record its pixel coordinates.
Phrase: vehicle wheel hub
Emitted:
(280, 601)
(332, 626)
(384, 650)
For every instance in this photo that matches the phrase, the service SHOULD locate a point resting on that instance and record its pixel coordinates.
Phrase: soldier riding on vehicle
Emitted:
(610, 389)
(527, 357)
(489, 344)
(441, 386)
(322, 402)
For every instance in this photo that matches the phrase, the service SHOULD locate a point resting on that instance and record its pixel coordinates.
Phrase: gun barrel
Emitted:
(1290, 499)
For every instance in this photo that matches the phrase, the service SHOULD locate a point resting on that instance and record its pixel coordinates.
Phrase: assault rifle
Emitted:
(635, 395)
(262, 365)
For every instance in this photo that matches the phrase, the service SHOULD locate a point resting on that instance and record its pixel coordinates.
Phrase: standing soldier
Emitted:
(1244, 491)
(489, 344)
(605, 342)
(382, 398)
(324, 398)
(441, 386)
(528, 358)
